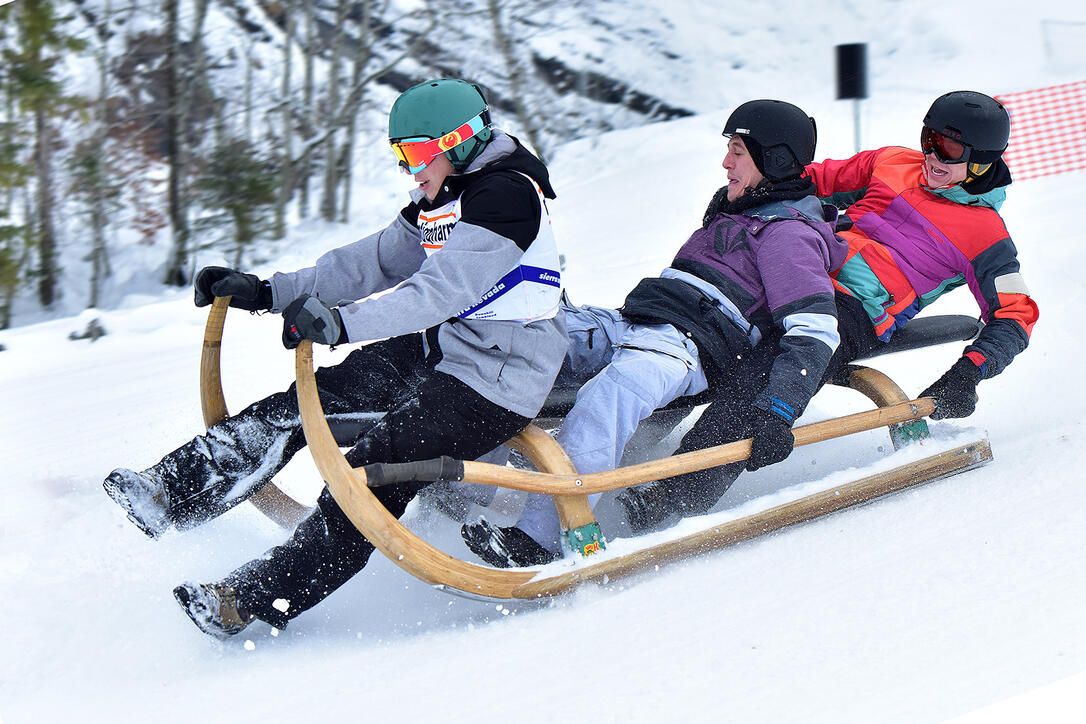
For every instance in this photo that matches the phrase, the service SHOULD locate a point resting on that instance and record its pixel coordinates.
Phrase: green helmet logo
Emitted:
(436, 109)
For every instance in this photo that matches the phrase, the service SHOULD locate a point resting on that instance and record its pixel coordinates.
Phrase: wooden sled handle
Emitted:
(711, 457)
(269, 500)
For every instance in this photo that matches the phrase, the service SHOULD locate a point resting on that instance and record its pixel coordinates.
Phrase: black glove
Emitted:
(308, 318)
(955, 393)
(246, 291)
(772, 439)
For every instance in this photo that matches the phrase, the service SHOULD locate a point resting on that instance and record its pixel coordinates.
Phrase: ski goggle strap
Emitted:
(415, 154)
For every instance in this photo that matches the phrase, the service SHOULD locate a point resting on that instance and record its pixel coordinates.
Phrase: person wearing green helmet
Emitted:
(463, 289)
(447, 117)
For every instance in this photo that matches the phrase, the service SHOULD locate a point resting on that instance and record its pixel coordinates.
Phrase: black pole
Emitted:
(852, 79)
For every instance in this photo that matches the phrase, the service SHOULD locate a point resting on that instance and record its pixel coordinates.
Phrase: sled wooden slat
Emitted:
(269, 500)
(965, 457)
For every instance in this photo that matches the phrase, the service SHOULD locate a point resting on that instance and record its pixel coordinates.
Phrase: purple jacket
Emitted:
(770, 268)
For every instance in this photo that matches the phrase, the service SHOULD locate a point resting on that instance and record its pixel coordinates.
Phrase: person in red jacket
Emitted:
(922, 223)
(928, 221)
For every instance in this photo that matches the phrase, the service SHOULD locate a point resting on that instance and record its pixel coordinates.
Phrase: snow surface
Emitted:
(961, 598)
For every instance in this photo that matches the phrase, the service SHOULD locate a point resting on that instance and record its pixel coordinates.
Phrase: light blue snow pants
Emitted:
(635, 369)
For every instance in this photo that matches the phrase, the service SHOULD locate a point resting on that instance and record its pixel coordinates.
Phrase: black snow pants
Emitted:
(728, 416)
(427, 414)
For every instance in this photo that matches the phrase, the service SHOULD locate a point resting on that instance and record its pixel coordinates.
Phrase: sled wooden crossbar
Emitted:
(351, 490)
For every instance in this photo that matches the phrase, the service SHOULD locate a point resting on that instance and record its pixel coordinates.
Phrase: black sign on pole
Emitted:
(852, 71)
(852, 79)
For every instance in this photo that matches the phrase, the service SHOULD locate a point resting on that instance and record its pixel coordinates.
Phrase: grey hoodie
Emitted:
(510, 363)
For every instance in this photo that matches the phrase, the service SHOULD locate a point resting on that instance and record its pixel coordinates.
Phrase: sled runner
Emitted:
(555, 476)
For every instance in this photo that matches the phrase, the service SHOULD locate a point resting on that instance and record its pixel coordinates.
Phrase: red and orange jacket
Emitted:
(910, 244)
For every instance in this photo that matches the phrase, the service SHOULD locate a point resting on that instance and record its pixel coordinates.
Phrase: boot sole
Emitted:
(183, 597)
(114, 491)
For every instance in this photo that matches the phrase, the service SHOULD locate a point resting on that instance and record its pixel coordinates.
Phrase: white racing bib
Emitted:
(529, 291)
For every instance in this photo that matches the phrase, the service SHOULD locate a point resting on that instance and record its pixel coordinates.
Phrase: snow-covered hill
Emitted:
(922, 607)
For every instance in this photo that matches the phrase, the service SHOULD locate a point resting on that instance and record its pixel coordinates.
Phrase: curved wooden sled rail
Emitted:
(349, 487)
(401, 546)
(269, 500)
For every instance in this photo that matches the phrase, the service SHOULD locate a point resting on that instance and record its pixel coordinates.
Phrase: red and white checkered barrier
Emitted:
(1048, 130)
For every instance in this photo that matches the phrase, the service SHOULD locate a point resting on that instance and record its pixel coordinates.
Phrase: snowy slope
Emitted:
(925, 606)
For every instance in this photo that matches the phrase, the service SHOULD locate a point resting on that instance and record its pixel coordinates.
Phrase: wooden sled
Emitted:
(556, 476)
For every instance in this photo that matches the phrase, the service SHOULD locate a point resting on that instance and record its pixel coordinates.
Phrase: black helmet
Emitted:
(783, 136)
(975, 120)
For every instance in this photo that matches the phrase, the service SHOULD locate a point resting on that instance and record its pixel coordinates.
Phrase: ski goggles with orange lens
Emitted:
(945, 149)
(416, 153)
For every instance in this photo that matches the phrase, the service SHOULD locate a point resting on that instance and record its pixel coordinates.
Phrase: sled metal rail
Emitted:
(556, 476)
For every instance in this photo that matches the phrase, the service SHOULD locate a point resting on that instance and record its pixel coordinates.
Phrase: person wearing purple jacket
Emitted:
(757, 268)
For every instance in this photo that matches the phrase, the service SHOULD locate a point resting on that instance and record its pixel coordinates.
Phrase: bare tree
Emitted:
(362, 55)
(95, 165)
(331, 167)
(286, 172)
(175, 148)
(515, 71)
(178, 94)
(303, 165)
(341, 109)
(506, 65)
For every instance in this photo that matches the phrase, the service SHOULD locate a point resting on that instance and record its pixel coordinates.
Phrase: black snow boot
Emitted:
(213, 607)
(655, 506)
(211, 473)
(504, 547)
(143, 497)
(648, 507)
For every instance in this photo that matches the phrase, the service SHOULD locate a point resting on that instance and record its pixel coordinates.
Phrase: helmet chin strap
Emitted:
(477, 148)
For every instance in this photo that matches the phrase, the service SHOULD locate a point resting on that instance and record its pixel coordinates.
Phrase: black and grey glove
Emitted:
(246, 291)
(309, 318)
(955, 393)
(771, 439)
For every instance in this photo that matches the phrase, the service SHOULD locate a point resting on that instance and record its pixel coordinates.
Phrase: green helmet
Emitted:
(437, 108)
